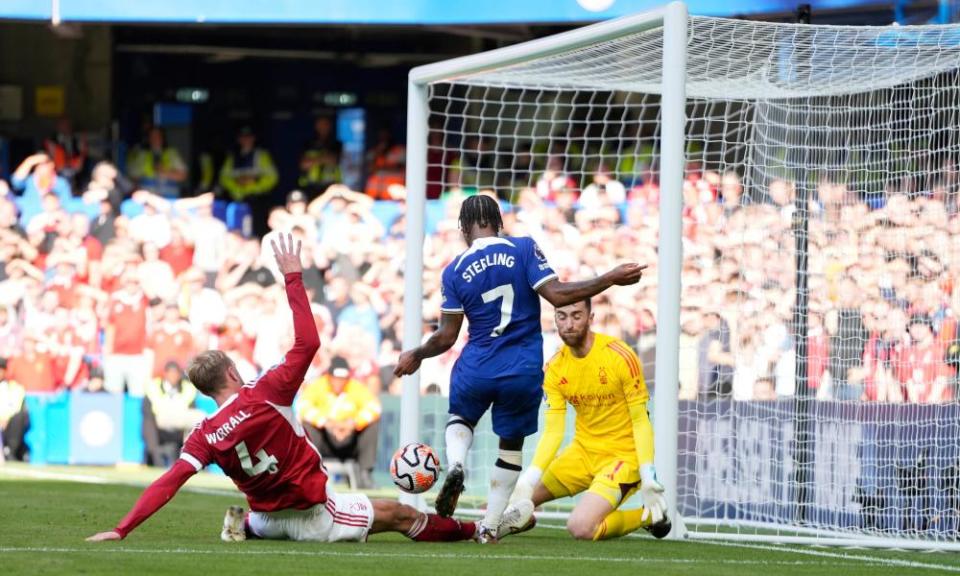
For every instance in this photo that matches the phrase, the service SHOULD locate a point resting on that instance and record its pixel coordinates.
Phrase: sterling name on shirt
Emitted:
(227, 427)
(478, 266)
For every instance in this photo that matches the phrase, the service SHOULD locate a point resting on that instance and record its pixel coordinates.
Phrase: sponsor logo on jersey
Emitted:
(594, 400)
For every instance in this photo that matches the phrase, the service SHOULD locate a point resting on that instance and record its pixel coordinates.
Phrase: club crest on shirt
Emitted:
(602, 376)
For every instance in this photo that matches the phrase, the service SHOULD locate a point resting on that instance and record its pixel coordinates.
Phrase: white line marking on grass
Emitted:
(44, 475)
(873, 560)
(96, 549)
(93, 479)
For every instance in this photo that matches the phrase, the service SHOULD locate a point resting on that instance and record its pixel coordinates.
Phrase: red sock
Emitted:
(433, 528)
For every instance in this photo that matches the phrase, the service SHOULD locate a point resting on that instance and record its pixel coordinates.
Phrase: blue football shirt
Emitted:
(494, 284)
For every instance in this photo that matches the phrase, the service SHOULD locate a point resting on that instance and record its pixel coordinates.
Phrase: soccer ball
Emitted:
(414, 468)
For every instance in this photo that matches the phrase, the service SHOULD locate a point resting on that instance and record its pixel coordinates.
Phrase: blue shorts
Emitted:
(515, 399)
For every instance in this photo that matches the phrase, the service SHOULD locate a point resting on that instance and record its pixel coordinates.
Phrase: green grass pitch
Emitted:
(46, 514)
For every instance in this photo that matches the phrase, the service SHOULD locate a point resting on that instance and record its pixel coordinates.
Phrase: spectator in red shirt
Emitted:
(125, 335)
(179, 252)
(233, 338)
(171, 341)
(881, 350)
(34, 368)
(921, 368)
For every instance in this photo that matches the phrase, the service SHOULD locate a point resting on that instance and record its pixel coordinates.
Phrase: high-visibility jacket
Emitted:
(11, 398)
(262, 171)
(167, 401)
(318, 403)
(320, 171)
(141, 165)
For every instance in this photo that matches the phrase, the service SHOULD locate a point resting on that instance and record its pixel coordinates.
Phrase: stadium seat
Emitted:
(348, 468)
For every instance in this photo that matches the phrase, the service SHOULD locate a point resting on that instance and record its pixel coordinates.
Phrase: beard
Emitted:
(574, 339)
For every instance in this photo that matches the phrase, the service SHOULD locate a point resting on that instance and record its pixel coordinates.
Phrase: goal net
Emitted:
(816, 329)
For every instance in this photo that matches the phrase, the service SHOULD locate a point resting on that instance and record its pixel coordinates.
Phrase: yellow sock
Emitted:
(618, 523)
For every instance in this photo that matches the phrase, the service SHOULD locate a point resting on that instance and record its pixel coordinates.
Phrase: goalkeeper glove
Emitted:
(651, 491)
(525, 484)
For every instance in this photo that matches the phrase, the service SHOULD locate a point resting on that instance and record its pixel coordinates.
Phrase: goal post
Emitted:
(833, 423)
(673, 19)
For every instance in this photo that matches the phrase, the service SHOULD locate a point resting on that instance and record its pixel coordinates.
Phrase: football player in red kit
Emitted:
(257, 440)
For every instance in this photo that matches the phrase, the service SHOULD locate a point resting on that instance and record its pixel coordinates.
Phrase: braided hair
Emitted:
(481, 210)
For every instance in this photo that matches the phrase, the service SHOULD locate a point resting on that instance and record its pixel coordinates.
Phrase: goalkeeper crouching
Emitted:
(611, 455)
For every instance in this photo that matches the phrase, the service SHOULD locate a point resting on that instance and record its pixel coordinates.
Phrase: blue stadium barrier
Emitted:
(385, 211)
(239, 218)
(133, 445)
(96, 422)
(85, 428)
(130, 208)
(435, 211)
(220, 210)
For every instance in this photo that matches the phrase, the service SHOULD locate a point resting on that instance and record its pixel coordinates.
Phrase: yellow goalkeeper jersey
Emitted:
(609, 394)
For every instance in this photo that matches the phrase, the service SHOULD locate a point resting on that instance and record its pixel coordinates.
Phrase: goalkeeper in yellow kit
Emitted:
(611, 455)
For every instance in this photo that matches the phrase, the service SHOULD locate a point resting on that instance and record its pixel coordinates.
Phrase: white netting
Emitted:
(862, 122)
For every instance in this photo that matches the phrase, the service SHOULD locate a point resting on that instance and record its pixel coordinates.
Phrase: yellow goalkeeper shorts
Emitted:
(575, 470)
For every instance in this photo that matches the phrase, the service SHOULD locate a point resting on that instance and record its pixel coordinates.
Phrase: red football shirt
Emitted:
(171, 343)
(255, 436)
(128, 316)
(36, 374)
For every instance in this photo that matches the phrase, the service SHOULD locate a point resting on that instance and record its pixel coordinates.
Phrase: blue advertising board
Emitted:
(422, 12)
(875, 467)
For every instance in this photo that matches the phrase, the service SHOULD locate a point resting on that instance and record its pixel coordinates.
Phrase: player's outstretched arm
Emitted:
(565, 293)
(636, 395)
(283, 381)
(438, 343)
(153, 498)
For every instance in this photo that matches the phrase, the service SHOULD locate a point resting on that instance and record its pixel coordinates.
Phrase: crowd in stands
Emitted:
(100, 297)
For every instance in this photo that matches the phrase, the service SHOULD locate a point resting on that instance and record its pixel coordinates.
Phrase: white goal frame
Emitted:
(673, 19)
(676, 29)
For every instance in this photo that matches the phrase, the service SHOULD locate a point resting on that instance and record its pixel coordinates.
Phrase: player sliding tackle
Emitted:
(258, 441)
(495, 284)
(611, 455)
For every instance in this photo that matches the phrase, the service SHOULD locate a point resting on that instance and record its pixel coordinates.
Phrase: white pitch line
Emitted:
(95, 549)
(866, 560)
(875, 560)
(94, 479)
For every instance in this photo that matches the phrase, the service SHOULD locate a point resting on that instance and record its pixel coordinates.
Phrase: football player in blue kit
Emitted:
(497, 283)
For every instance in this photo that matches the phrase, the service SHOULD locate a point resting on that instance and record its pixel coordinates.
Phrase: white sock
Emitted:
(503, 478)
(459, 438)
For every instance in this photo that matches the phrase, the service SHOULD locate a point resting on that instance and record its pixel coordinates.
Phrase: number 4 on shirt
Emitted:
(267, 463)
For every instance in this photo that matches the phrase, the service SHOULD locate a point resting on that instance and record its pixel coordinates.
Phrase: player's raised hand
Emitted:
(105, 537)
(407, 364)
(288, 258)
(626, 274)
